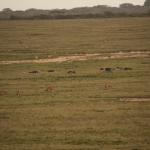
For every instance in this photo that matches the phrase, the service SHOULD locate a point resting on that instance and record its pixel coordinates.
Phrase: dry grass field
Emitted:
(80, 114)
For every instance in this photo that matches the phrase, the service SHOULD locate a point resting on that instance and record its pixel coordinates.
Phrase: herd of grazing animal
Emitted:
(117, 68)
(51, 89)
(2, 92)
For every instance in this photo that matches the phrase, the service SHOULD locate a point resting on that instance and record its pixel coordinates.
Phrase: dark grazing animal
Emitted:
(127, 68)
(33, 72)
(50, 70)
(101, 68)
(108, 69)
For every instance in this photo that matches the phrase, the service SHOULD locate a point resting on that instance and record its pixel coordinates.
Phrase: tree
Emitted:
(108, 13)
(56, 12)
(101, 6)
(147, 3)
(126, 5)
(7, 9)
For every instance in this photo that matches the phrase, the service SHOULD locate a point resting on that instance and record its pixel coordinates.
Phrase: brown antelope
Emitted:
(50, 89)
(2, 92)
(17, 93)
(108, 86)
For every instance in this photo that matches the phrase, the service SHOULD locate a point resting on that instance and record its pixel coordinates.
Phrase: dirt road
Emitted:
(76, 57)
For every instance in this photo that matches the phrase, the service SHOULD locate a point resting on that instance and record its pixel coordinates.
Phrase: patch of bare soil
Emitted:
(135, 99)
(74, 57)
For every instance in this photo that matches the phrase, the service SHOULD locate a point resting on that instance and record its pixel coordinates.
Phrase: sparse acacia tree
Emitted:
(56, 12)
(101, 6)
(7, 9)
(126, 5)
(147, 3)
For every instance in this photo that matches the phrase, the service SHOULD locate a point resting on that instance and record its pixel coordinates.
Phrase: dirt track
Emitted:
(134, 99)
(83, 57)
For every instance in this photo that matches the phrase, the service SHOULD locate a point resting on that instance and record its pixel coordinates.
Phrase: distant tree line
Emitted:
(99, 11)
(107, 14)
(147, 3)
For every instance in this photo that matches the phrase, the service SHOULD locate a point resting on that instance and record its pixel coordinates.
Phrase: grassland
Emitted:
(80, 113)
(57, 37)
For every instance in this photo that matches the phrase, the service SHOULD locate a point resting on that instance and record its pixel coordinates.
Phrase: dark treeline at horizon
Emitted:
(99, 11)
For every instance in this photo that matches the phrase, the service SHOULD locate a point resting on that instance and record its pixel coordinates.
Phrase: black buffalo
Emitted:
(101, 68)
(108, 69)
(33, 72)
(127, 68)
(50, 70)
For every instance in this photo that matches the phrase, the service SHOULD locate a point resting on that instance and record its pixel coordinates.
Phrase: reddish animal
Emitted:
(50, 89)
(108, 86)
(17, 93)
(2, 92)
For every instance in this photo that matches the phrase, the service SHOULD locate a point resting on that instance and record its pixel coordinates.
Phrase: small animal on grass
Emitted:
(71, 72)
(33, 72)
(2, 92)
(127, 68)
(50, 89)
(50, 70)
(108, 69)
(108, 86)
(17, 93)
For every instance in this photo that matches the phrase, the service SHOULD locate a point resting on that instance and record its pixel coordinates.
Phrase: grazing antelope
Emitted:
(2, 92)
(50, 89)
(108, 86)
(70, 95)
(17, 93)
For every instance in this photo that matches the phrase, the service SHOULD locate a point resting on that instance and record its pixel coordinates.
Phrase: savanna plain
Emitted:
(80, 114)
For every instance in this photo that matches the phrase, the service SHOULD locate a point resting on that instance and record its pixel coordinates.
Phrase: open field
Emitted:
(80, 113)
(43, 39)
